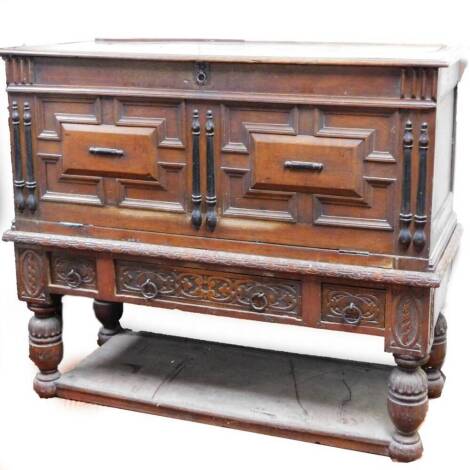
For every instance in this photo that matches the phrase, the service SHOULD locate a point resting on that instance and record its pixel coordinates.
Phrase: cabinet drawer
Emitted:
(74, 273)
(306, 163)
(107, 150)
(219, 290)
(352, 306)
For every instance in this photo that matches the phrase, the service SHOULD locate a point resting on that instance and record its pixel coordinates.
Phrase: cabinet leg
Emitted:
(45, 345)
(437, 356)
(407, 407)
(109, 314)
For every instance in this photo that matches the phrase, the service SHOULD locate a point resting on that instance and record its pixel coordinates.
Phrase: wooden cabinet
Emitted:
(298, 183)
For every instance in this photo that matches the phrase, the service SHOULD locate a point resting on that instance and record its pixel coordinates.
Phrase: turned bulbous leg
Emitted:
(407, 407)
(437, 356)
(109, 314)
(45, 345)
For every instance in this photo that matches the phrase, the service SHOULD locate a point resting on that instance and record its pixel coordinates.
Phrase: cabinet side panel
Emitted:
(442, 217)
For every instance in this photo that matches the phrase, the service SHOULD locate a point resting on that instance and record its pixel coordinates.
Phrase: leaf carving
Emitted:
(31, 271)
(406, 327)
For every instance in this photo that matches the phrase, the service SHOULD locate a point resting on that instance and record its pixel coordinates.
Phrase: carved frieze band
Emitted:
(353, 305)
(19, 70)
(222, 290)
(32, 274)
(239, 260)
(74, 272)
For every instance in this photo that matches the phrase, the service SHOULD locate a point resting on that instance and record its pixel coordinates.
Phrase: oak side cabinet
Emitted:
(299, 183)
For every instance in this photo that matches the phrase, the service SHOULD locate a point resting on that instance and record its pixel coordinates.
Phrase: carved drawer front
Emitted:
(73, 272)
(352, 305)
(106, 150)
(255, 294)
(307, 163)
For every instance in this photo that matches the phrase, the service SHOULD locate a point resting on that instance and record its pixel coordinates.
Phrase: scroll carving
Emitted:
(251, 294)
(74, 272)
(344, 304)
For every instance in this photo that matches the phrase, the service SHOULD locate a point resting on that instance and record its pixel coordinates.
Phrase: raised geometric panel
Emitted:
(167, 118)
(378, 130)
(138, 160)
(240, 200)
(136, 147)
(52, 112)
(239, 122)
(55, 186)
(373, 211)
(336, 165)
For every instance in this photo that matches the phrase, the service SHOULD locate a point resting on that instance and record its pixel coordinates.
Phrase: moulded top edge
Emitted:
(436, 55)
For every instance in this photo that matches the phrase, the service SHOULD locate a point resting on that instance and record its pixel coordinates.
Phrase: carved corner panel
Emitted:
(409, 322)
(19, 70)
(63, 181)
(32, 274)
(352, 305)
(254, 294)
(418, 83)
(74, 272)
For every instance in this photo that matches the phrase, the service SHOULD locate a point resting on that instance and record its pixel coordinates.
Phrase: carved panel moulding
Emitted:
(379, 132)
(374, 210)
(74, 272)
(169, 118)
(242, 201)
(353, 305)
(281, 297)
(32, 273)
(409, 329)
(54, 186)
(54, 111)
(239, 122)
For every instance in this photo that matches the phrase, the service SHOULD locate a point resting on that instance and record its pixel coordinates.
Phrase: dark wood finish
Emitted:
(109, 314)
(239, 181)
(433, 366)
(407, 406)
(45, 345)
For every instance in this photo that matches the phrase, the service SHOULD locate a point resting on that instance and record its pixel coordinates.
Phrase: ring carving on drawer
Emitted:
(223, 290)
(73, 272)
(353, 305)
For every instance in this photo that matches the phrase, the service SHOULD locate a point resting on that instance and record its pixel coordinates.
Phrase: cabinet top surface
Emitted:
(436, 55)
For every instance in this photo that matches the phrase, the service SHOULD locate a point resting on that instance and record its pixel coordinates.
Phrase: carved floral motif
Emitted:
(365, 307)
(74, 272)
(259, 295)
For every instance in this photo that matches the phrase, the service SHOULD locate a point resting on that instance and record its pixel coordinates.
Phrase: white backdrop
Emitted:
(55, 433)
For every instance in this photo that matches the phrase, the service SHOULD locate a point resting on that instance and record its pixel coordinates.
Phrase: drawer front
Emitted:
(110, 151)
(224, 291)
(309, 176)
(352, 306)
(308, 164)
(77, 273)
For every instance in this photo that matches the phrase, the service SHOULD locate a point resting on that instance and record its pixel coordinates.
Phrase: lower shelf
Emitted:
(315, 399)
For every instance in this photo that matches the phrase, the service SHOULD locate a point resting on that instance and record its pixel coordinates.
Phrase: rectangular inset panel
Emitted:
(109, 151)
(74, 272)
(307, 163)
(256, 294)
(352, 305)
